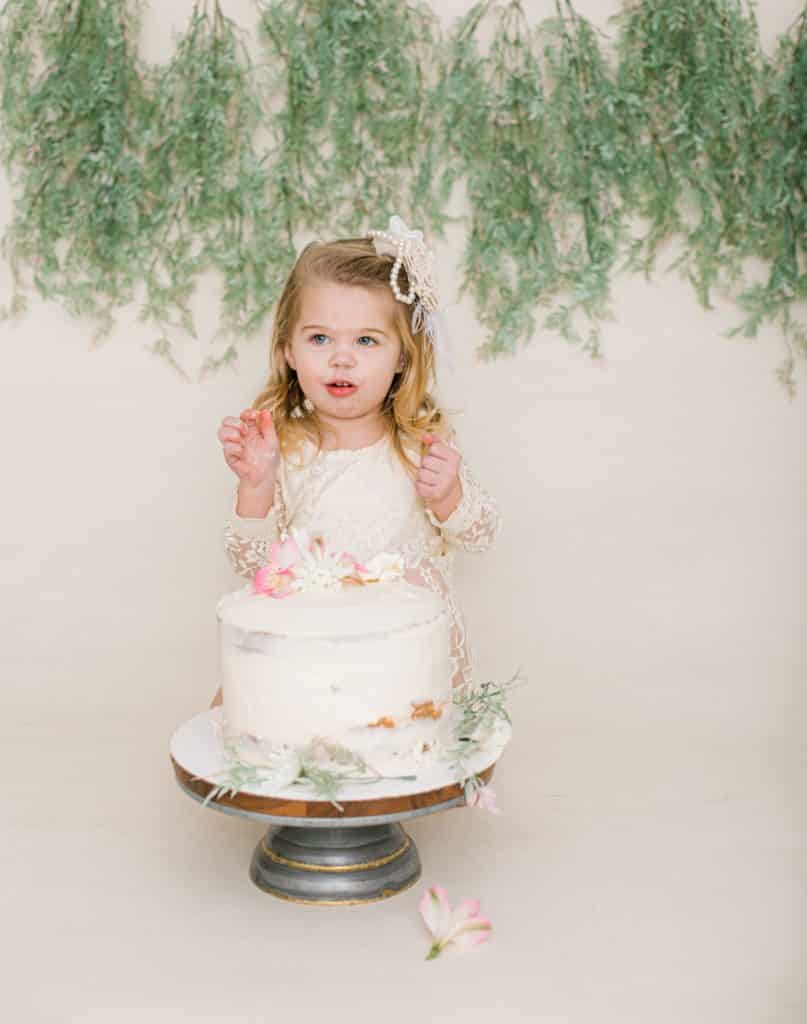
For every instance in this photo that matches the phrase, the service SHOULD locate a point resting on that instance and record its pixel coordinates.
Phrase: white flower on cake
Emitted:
(304, 562)
(382, 567)
(318, 568)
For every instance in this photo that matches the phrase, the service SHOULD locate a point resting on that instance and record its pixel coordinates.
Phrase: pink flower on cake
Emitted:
(304, 562)
(284, 554)
(483, 797)
(273, 582)
(461, 927)
(276, 578)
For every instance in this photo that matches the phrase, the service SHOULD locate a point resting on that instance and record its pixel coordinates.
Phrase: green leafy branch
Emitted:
(351, 136)
(550, 236)
(490, 111)
(73, 110)
(776, 229)
(694, 73)
(298, 767)
(477, 711)
(208, 190)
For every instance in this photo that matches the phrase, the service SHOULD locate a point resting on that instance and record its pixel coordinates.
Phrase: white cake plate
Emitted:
(313, 852)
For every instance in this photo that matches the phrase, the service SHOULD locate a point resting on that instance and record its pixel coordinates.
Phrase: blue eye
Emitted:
(364, 337)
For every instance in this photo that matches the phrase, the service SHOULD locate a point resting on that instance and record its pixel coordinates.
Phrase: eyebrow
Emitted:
(372, 330)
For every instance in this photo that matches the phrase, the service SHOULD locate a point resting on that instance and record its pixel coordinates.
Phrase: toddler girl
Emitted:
(346, 439)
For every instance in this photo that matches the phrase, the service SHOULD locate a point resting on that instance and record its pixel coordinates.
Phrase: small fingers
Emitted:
(231, 434)
(442, 452)
(435, 462)
(231, 428)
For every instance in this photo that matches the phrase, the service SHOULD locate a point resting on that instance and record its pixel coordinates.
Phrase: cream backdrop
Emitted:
(648, 863)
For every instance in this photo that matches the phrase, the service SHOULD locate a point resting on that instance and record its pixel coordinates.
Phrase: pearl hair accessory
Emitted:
(409, 250)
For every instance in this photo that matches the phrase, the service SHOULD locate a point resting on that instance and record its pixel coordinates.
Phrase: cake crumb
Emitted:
(388, 723)
(426, 710)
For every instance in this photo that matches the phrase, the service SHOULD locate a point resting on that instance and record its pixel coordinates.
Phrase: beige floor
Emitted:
(630, 878)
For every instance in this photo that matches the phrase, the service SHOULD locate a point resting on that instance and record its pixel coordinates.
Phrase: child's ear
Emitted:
(289, 356)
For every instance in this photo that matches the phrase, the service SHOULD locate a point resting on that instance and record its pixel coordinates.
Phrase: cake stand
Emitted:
(313, 852)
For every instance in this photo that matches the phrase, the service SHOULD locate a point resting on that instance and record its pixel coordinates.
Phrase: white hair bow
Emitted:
(409, 250)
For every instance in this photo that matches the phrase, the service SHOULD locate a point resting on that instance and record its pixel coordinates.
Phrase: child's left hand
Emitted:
(437, 480)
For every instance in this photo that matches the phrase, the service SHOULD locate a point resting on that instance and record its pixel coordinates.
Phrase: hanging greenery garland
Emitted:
(776, 229)
(551, 236)
(593, 159)
(209, 193)
(126, 175)
(552, 130)
(353, 144)
(692, 72)
(71, 139)
(490, 111)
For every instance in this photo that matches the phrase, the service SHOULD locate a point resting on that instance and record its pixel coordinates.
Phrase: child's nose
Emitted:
(342, 355)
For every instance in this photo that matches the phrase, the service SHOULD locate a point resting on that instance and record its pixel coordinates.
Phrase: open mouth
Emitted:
(341, 387)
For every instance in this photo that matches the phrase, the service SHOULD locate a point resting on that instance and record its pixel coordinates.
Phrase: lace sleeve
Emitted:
(247, 540)
(475, 522)
(426, 574)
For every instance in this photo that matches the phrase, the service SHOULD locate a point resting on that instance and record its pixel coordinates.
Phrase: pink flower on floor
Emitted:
(483, 797)
(461, 927)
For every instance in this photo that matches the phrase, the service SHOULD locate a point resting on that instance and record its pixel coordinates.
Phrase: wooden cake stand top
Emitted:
(196, 758)
(287, 808)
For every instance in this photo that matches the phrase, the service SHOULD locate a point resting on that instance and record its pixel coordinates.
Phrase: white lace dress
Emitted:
(363, 501)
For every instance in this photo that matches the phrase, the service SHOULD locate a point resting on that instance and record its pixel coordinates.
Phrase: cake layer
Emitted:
(366, 666)
(346, 610)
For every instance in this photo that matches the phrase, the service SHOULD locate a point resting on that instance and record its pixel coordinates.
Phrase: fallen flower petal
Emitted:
(483, 797)
(486, 799)
(435, 909)
(474, 931)
(464, 911)
(463, 927)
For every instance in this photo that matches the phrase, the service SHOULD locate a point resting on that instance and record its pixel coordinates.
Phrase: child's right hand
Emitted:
(251, 448)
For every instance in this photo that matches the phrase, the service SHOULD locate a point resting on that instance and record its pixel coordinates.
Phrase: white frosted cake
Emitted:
(327, 648)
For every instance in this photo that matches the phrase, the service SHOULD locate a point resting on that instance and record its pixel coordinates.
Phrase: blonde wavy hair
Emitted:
(409, 409)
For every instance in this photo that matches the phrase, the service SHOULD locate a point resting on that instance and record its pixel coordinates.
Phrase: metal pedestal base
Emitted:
(316, 851)
(335, 866)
